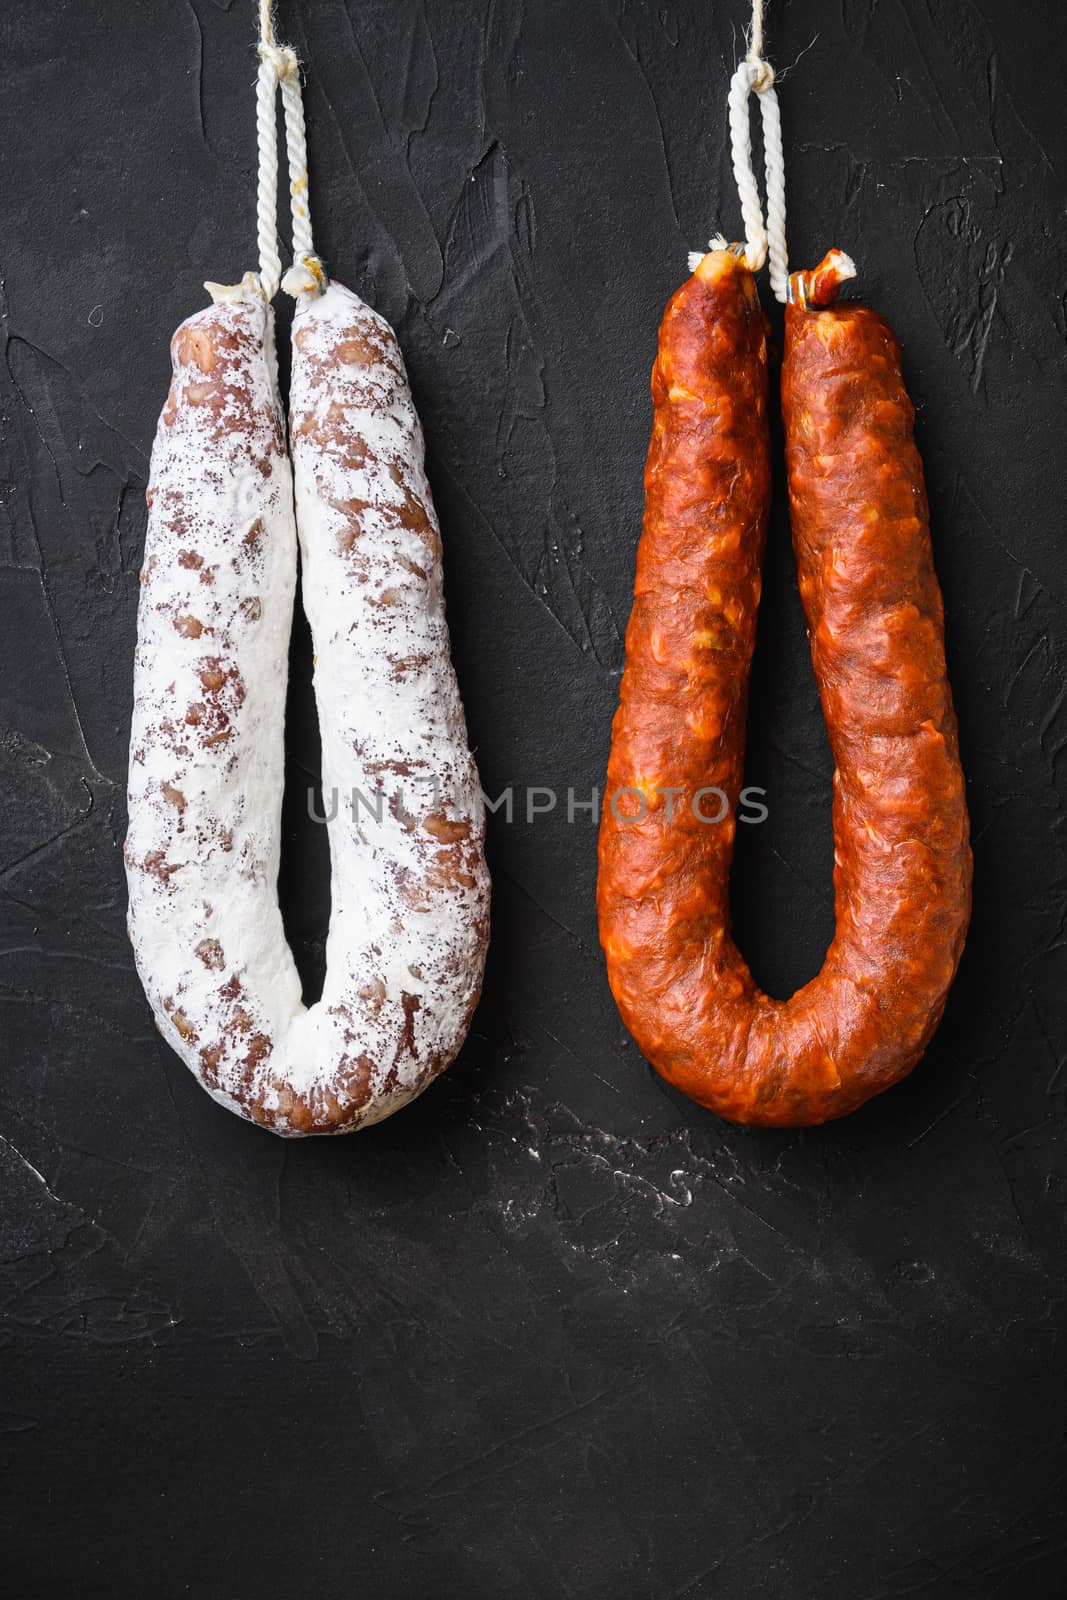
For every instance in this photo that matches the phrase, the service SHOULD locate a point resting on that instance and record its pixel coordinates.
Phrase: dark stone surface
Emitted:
(554, 1330)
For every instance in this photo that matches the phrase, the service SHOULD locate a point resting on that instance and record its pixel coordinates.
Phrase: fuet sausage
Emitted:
(409, 921)
(902, 860)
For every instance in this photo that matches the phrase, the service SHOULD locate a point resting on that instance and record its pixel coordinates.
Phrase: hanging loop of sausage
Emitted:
(902, 874)
(409, 885)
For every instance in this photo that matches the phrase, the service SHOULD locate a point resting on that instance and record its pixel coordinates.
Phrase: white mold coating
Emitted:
(410, 890)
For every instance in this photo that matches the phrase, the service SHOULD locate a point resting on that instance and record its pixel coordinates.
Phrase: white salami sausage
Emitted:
(410, 889)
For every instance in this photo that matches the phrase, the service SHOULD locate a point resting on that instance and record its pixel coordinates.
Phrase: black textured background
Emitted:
(554, 1331)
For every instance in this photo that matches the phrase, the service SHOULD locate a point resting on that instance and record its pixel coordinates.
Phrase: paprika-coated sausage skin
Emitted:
(902, 861)
(662, 893)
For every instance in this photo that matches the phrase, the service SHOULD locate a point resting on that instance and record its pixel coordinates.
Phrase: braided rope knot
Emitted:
(281, 58)
(762, 77)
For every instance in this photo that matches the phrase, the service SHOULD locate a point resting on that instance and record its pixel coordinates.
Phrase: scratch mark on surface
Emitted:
(199, 29)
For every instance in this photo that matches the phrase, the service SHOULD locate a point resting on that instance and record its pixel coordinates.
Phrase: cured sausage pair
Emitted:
(902, 861)
(410, 890)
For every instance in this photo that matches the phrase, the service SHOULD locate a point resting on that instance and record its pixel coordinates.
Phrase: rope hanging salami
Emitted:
(902, 874)
(410, 890)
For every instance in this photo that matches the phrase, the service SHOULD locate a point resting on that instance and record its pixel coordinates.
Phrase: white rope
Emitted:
(755, 76)
(274, 64)
(741, 86)
(306, 273)
(270, 262)
(774, 176)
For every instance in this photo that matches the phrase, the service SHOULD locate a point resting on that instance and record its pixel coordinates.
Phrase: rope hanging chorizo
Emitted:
(902, 870)
(409, 923)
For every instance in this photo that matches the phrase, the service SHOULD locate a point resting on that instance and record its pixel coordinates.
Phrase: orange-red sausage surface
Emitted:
(902, 861)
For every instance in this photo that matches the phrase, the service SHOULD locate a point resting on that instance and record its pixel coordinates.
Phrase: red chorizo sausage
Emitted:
(902, 860)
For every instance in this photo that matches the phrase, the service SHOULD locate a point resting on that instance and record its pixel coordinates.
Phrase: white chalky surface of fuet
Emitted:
(410, 889)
